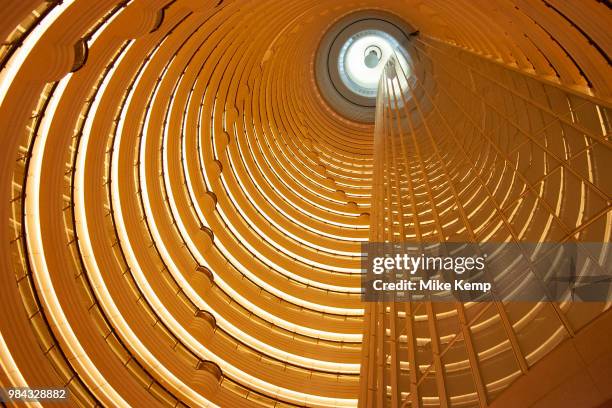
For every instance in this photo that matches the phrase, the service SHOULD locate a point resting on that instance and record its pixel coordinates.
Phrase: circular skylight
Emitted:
(353, 55)
(362, 59)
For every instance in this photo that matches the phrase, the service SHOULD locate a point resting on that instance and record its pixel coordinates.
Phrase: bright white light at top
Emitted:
(354, 72)
(354, 62)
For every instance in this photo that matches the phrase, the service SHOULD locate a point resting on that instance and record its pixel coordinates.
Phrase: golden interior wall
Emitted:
(183, 211)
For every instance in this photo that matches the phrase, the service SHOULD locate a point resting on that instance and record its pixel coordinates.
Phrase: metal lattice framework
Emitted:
(497, 169)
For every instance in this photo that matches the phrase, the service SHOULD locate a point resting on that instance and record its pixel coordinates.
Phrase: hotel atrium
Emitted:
(187, 186)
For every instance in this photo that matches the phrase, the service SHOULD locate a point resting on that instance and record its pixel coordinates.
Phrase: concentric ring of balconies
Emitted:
(116, 234)
(135, 165)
